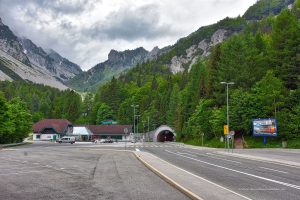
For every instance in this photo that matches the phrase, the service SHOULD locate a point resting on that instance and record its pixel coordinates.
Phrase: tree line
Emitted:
(263, 62)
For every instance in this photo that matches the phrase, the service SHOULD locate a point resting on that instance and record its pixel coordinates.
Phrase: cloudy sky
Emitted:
(84, 31)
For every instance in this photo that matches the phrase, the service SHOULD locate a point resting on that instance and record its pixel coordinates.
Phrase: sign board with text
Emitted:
(264, 127)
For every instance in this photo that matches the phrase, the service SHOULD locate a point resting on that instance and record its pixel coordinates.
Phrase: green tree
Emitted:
(21, 118)
(6, 125)
(286, 48)
(104, 113)
(173, 107)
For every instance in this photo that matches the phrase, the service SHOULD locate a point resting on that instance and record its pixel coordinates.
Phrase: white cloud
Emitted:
(84, 31)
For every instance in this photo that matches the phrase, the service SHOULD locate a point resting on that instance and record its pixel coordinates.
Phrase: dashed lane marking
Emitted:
(275, 170)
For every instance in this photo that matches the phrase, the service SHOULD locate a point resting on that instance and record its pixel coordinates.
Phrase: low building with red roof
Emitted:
(51, 129)
(113, 131)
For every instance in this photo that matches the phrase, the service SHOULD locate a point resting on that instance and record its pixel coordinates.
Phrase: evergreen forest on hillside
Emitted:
(263, 61)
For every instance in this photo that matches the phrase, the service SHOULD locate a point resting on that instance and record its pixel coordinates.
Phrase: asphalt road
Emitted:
(250, 178)
(79, 171)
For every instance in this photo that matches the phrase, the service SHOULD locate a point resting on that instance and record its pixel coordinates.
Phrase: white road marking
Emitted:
(214, 157)
(275, 170)
(233, 170)
(261, 189)
(187, 154)
(137, 149)
(199, 177)
(62, 168)
(36, 163)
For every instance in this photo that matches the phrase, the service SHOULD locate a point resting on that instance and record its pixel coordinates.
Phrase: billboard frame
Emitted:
(265, 135)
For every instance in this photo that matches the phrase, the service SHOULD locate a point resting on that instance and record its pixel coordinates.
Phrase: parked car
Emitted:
(102, 140)
(108, 141)
(67, 139)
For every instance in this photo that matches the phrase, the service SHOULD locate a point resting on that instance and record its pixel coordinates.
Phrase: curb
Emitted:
(13, 145)
(176, 185)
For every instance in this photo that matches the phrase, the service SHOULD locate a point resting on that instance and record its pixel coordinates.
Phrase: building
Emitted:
(111, 131)
(51, 129)
(81, 133)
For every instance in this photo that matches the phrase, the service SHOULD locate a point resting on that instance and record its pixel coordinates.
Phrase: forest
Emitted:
(263, 61)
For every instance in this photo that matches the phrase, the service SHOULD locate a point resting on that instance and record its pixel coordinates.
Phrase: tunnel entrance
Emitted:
(165, 136)
(163, 133)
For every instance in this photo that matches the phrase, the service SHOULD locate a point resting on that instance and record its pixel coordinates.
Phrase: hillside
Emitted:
(260, 57)
(116, 63)
(21, 59)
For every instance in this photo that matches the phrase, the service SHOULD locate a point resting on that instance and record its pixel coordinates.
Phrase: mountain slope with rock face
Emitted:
(9, 43)
(51, 61)
(116, 63)
(21, 59)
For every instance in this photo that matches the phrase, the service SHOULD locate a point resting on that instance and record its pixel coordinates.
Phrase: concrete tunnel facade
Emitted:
(164, 133)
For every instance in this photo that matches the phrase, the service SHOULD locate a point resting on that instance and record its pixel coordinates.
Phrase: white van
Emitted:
(67, 139)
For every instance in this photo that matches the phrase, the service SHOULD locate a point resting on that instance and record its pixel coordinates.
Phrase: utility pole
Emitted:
(134, 106)
(227, 84)
(148, 123)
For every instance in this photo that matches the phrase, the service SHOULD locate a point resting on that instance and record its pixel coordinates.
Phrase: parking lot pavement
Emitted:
(60, 172)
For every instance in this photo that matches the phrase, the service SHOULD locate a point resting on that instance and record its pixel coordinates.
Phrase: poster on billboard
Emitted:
(264, 127)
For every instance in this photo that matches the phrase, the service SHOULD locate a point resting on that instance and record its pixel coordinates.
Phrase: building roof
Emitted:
(109, 129)
(81, 130)
(60, 125)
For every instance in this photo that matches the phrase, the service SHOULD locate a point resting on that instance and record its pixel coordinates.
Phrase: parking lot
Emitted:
(65, 171)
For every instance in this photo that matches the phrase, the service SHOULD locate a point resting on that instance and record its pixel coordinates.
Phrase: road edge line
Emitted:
(176, 185)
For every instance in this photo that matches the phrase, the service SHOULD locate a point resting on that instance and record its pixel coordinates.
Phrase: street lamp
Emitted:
(134, 106)
(227, 84)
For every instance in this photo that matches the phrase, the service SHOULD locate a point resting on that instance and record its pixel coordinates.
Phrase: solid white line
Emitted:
(275, 170)
(199, 177)
(261, 189)
(233, 170)
(137, 149)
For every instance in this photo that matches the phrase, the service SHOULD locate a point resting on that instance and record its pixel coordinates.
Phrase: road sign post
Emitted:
(125, 133)
(226, 139)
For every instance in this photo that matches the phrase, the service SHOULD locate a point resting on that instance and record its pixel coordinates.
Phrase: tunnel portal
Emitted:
(164, 134)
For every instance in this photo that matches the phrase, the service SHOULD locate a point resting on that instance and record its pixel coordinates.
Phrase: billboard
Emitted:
(264, 127)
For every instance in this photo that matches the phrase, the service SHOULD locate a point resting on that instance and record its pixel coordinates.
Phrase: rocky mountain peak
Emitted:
(1, 24)
(127, 56)
(113, 54)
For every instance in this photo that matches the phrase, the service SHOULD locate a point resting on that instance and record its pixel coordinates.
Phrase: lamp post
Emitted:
(227, 84)
(134, 106)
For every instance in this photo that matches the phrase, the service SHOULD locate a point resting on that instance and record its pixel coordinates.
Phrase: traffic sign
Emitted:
(125, 131)
(232, 133)
(226, 130)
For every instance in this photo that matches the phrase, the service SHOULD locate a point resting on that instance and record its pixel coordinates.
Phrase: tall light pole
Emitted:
(227, 84)
(134, 106)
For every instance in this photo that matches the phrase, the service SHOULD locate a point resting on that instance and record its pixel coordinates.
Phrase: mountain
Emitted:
(21, 59)
(9, 43)
(264, 8)
(50, 61)
(116, 63)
